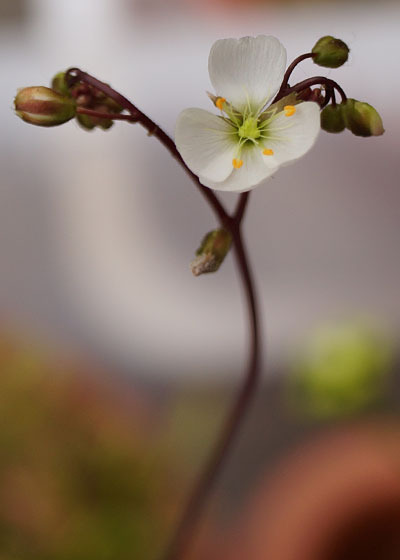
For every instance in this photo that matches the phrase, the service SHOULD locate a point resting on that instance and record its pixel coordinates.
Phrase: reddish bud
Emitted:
(43, 106)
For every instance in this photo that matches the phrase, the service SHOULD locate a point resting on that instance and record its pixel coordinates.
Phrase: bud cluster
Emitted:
(358, 117)
(88, 97)
(43, 106)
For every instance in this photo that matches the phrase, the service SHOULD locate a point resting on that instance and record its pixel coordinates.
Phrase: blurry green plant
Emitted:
(342, 370)
(82, 475)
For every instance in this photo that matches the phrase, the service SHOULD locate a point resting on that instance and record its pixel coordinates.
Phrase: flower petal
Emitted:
(252, 172)
(291, 137)
(206, 143)
(247, 71)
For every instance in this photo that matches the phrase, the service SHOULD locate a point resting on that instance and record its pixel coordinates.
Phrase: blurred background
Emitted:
(118, 366)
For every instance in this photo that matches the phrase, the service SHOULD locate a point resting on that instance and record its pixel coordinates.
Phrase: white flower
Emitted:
(248, 141)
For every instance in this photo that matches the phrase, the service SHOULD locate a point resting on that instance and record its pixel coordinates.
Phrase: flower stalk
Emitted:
(75, 74)
(196, 503)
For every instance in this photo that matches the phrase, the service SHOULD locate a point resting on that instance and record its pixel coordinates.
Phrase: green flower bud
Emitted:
(59, 84)
(330, 52)
(212, 252)
(362, 119)
(332, 119)
(43, 106)
(89, 123)
(85, 121)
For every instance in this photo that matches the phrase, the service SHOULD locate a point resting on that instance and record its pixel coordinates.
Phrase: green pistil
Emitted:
(249, 129)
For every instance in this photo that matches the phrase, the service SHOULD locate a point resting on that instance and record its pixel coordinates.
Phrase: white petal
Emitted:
(252, 172)
(248, 70)
(291, 137)
(205, 143)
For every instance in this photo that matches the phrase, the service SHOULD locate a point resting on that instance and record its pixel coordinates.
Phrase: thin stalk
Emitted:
(75, 74)
(241, 207)
(198, 499)
(290, 69)
(317, 80)
(109, 116)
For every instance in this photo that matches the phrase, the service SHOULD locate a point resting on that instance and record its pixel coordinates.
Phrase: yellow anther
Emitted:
(220, 103)
(237, 163)
(289, 110)
(268, 152)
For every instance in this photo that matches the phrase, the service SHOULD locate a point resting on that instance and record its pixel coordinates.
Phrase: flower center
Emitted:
(249, 129)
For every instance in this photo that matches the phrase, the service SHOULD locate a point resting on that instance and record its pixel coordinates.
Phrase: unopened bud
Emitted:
(43, 106)
(330, 52)
(212, 252)
(89, 122)
(59, 84)
(332, 119)
(362, 119)
(89, 97)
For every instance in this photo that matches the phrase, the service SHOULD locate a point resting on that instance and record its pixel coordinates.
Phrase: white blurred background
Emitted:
(97, 229)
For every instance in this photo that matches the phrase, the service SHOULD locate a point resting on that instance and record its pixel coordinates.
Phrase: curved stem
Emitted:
(241, 207)
(109, 116)
(197, 501)
(290, 69)
(75, 74)
(317, 80)
(201, 493)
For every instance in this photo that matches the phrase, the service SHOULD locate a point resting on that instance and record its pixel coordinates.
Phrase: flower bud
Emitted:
(85, 121)
(330, 52)
(332, 119)
(43, 106)
(212, 252)
(362, 119)
(59, 84)
(89, 122)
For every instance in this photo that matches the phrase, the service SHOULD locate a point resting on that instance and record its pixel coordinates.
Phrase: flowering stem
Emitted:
(241, 207)
(75, 75)
(290, 69)
(109, 116)
(201, 493)
(197, 501)
(322, 80)
(317, 80)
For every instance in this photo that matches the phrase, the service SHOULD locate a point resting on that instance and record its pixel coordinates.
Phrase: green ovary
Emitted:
(249, 129)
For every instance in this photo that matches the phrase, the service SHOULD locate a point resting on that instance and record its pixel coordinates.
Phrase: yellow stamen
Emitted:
(220, 103)
(268, 152)
(237, 163)
(289, 110)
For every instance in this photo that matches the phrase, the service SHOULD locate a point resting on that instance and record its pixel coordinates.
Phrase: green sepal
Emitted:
(330, 52)
(212, 252)
(332, 119)
(59, 84)
(362, 119)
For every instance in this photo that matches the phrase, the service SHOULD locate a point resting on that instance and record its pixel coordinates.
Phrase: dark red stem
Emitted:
(194, 508)
(241, 207)
(74, 75)
(317, 80)
(101, 115)
(198, 499)
(290, 69)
